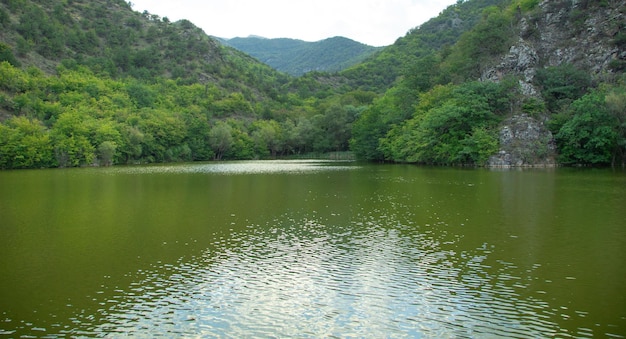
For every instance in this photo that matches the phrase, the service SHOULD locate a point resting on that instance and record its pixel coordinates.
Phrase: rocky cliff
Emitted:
(578, 32)
(524, 142)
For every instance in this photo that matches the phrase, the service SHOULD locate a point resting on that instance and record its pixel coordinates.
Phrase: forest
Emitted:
(297, 57)
(87, 83)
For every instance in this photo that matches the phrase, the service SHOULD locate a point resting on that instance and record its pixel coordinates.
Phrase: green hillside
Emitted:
(94, 83)
(419, 45)
(112, 40)
(556, 64)
(298, 57)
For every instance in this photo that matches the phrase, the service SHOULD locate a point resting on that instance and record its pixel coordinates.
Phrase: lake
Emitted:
(312, 249)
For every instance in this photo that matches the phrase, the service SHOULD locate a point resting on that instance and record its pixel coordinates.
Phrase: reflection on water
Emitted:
(312, 249)
(239, 167)
(304, 278)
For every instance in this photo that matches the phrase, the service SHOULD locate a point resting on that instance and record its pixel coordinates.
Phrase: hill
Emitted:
(381, 70)
(530, 83)
(112, 40)
(93, 82)
(297, 57)
(487, 82)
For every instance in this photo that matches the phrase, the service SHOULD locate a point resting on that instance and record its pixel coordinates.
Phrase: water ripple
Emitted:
(236, 167)
(304, 278)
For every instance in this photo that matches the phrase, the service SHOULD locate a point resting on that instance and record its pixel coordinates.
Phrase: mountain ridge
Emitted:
(92, 82)
(297, 57)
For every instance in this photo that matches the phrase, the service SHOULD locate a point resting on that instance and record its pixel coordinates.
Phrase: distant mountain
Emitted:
(86, 82)
(297, 57)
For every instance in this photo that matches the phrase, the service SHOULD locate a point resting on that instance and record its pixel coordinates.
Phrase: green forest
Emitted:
(87, 83)
(297, 57)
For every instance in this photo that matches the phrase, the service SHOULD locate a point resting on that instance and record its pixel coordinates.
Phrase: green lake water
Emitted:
(312, 249)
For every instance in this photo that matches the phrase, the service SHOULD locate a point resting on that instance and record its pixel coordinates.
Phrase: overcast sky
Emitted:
(373, 22)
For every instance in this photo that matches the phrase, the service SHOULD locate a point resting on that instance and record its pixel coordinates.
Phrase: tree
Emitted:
(106, 152)
(268, 137)
(107, 137)
(478, 47)
(13, 79)
(301, 135)
(233, 104)
(243, 144)
(5, 20)
(163, 131)
(25, 143)
(371, 125)
(6, 54)
(451, 125)
(131, 148)
(589, 136)
(560, 85)
(337, 125)
(616, 104)
(220, 139)
(198, 136)
(70, 135)
(141, 95)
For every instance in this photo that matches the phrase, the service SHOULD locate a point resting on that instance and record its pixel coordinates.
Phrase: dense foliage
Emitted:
(94, 83)
(76, 118)
(593, 128)
(297, 57)
(117, 86)
(420, 49)
(437, 113)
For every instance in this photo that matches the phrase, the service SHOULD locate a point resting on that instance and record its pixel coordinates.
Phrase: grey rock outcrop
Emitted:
(577, 32)
(562, 31)
(524, 142)
(521, 60)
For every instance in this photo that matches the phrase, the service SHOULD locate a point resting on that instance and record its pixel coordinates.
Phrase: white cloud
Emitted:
(374, 22)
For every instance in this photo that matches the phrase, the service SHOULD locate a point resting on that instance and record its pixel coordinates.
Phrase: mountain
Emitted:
(92, 82)
(487, 82)
(380, 71)
(112, 40)
(297, 57)
(526, 83)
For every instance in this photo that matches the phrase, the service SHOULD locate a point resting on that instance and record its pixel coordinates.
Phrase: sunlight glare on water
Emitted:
(312, 249)
(299, 278)
(238, 167)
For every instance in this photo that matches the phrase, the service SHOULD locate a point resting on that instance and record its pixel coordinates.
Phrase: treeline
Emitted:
(78, 119)
(437, 113)
(92, 82)
(297, 57)
(459, 124)
(125, 87)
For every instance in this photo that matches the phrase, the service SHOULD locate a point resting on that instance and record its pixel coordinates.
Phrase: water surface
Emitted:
(312, 249)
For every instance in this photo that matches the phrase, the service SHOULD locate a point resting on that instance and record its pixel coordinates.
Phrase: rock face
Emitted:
(577, 32)
(524, 142)
(562, 31)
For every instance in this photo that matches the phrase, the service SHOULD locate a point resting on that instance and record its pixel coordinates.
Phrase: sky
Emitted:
(372, 22)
